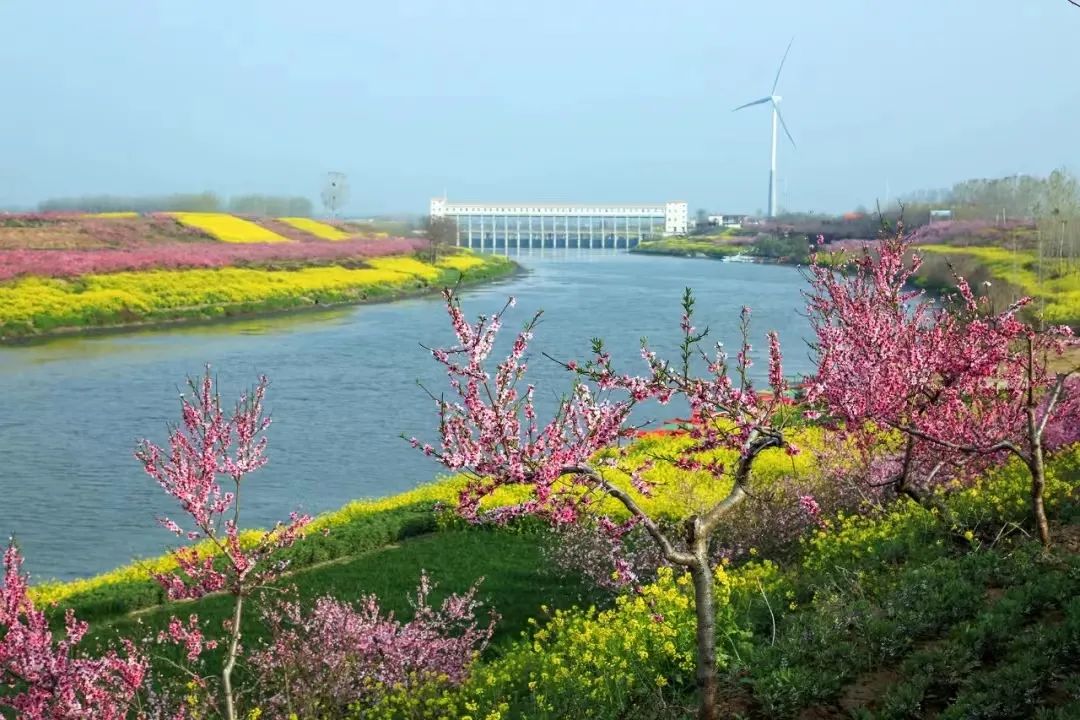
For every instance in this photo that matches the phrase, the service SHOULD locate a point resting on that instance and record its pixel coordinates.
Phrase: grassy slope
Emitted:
(1056, 289)
(713, 247)
(515, 583)
(903, 618)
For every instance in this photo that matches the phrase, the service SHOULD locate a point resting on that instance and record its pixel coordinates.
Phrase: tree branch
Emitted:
(759, 444)
(1052, 400)
(666, 546)
(970, 449)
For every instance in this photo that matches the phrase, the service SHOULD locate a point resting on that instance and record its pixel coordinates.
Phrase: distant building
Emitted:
(506, 225)
(727, 221)
(940, 215)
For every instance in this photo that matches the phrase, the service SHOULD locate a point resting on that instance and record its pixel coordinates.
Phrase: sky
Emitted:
(552, 100)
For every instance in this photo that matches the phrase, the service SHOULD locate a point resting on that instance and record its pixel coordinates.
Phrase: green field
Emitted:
(711, 247)
(1054, 286)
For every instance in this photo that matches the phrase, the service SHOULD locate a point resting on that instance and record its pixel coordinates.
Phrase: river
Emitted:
(343, 390)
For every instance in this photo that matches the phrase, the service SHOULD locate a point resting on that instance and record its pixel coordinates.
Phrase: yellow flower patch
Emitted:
(1059, 290)
(38, 305)
(406, 265)
(318, 229)
(460, 262)
(229, 228)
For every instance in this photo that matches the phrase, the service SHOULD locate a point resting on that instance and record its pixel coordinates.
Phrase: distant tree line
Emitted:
(1015, 197)
(1049, 206)
(271, 205)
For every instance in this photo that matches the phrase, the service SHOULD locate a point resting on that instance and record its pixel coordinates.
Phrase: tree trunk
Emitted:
(1037, 467)
(702, 575)
(230, 661)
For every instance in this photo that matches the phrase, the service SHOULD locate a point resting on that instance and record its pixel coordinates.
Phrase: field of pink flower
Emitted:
(178, 255)
(33, 231)
(976, 232)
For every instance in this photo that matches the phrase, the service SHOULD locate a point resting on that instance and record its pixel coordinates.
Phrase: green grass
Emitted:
(1054, 285)
(516, 582)
(713, 247)
(892, 615)
(357, 528)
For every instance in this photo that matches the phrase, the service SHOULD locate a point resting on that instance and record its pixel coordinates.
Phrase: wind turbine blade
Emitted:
(784, 125)
(782, 60)
(762, 101)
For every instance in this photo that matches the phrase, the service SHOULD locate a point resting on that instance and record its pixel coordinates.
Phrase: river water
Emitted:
(343, 390)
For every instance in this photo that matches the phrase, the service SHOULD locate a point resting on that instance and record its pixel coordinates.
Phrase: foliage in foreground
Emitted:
(865, 594)
(489, 431)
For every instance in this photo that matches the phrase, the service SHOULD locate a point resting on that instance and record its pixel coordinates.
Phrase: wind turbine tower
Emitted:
(777, 119)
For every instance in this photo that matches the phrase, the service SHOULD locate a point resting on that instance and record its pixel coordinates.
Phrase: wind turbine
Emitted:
(774, 100)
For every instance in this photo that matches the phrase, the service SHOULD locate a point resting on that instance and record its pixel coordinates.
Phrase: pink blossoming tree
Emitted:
(210, 444)
(45, 678)
(965, 385)
(338, 654)
(490, 432)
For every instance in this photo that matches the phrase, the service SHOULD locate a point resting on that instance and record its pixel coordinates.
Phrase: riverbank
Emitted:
(794, 635)
(34, 308)
(1001, 273)
(1006, 275)
(690, 247)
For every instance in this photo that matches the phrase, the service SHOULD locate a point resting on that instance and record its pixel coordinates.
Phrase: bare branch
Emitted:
(1052, 400)
(971, 449)
(671, 553)
(759, 444)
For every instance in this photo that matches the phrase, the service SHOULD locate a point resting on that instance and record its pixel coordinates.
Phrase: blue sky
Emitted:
(612, 100)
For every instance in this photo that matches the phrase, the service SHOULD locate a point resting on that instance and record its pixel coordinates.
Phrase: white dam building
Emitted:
(484, 226)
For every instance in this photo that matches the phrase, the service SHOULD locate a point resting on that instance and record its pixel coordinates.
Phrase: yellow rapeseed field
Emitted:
(229, 228)
(316, 228)
(127, 214)
(37, 305)
(407, 265)
(1059, 291)
(40, 304)
(461, 263)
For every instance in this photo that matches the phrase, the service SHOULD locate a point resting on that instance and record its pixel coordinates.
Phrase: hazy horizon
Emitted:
(599, 102)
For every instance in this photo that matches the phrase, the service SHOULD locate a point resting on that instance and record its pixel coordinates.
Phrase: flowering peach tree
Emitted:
(211, 444)
(965, 385)
(43, 677)
(340, 654)
(490, 431)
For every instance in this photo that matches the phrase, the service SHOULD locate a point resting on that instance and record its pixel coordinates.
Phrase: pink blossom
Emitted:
(43, 678)
(189, 635)
(338, 654)
(956, 378)
(187, 255)
(208, 445)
